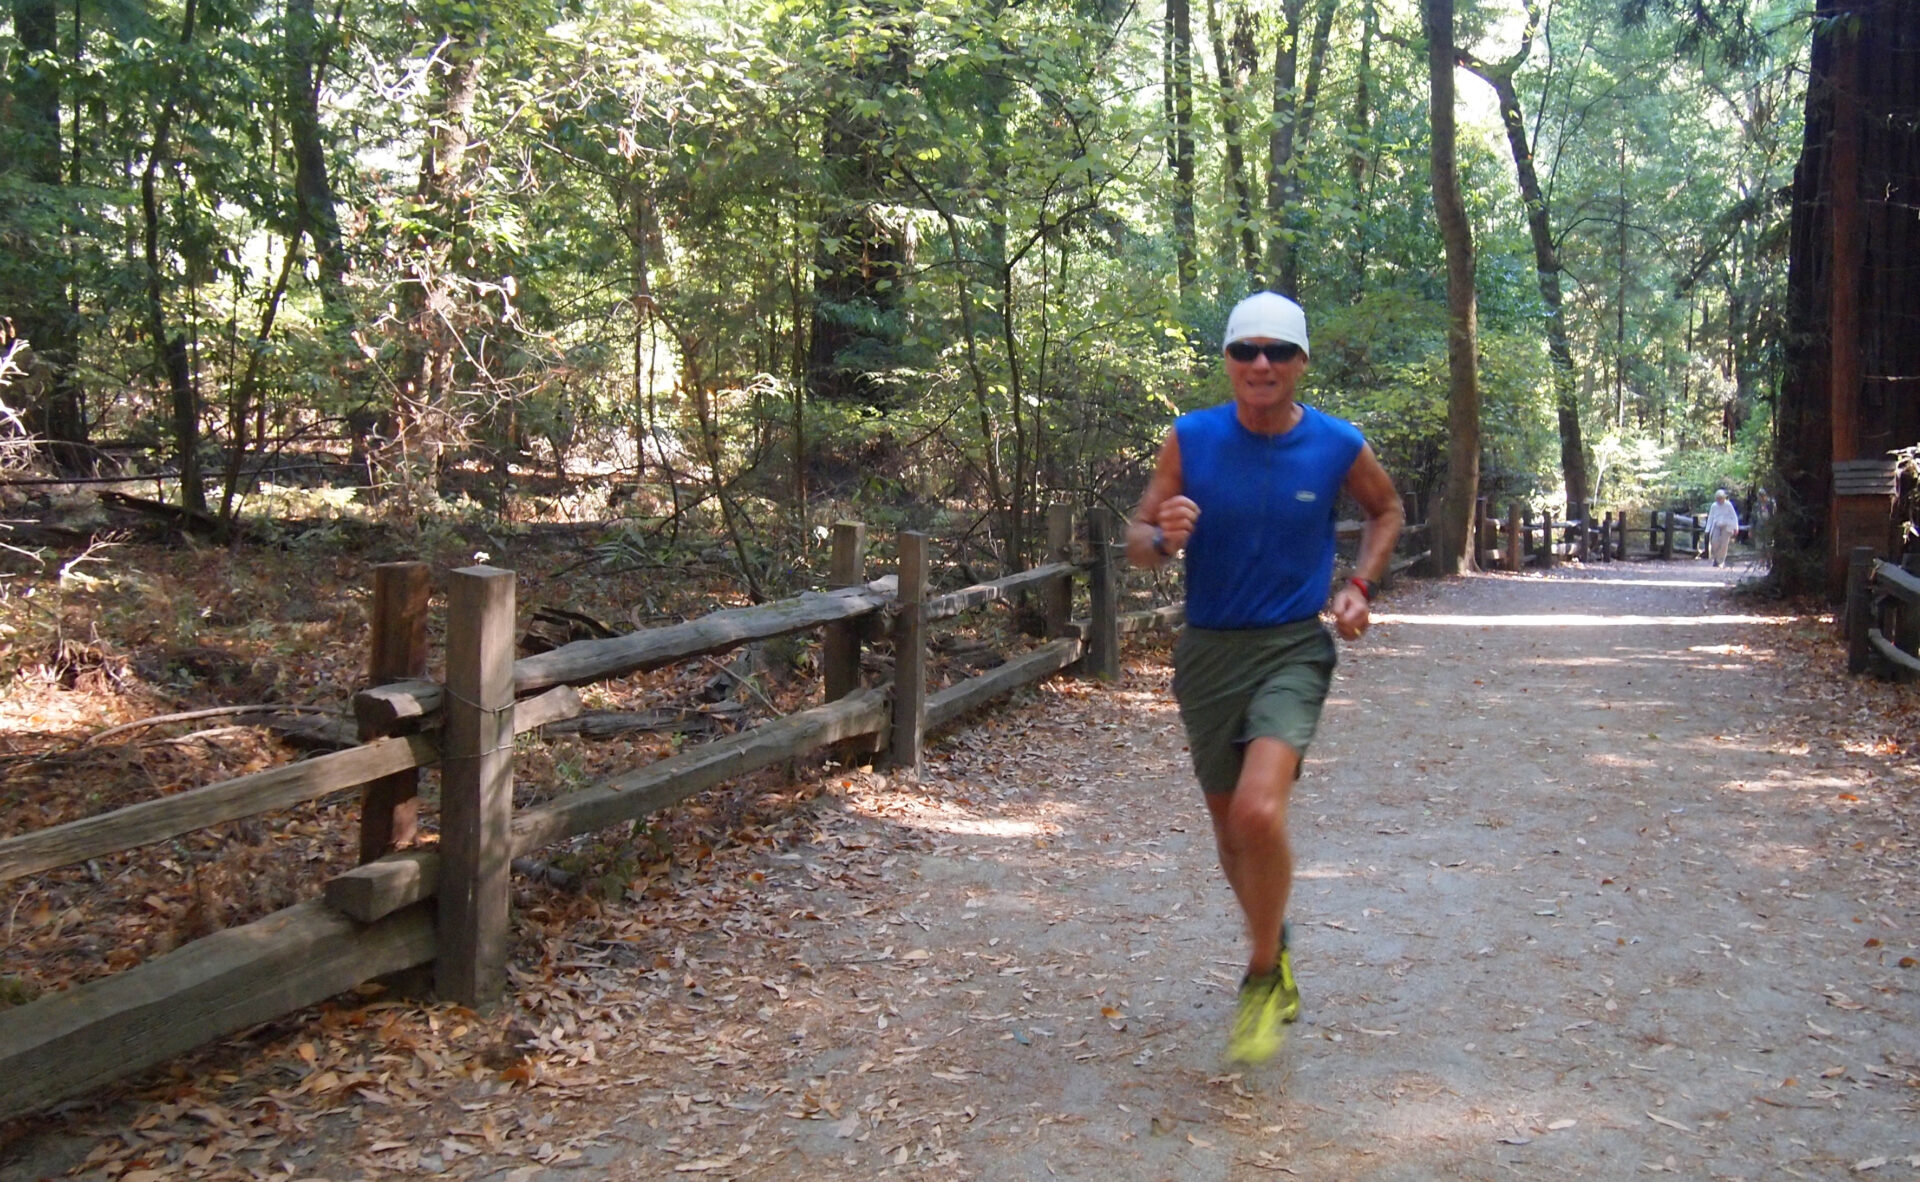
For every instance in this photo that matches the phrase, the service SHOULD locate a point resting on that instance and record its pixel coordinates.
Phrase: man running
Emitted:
(1248, 491)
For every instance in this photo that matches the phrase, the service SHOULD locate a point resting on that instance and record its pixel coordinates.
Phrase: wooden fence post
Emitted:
(1859, 608)
(1907, 624)
(840, 641)
(1606, 537)
(1546, 537)
(1409, 509)
(1103, 645)
(1482, 535)
(476, 789)
(1512, 550)
(389, 806)
(909, 730)
(1622, 522)
(1059, 593)
(1696, 548)
(1583, 532)
(1666, 536)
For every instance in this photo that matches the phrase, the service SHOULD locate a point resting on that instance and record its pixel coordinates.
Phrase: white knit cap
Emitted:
(1267, 314)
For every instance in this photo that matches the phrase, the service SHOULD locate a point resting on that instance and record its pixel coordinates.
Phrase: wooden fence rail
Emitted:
(1883, 616)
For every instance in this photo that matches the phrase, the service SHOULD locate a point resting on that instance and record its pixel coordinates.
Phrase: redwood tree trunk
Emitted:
(1853, 288)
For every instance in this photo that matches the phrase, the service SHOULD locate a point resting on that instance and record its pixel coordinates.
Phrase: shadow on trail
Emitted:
(1590, 893)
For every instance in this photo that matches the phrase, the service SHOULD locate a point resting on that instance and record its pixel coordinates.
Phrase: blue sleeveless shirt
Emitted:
(1262, 550)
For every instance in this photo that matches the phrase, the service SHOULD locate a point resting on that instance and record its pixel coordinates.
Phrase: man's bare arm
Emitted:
(1369, 484)
(1163, 515)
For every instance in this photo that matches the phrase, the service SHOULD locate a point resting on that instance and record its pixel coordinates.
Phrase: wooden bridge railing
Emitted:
(1883, 616)
(448, 905)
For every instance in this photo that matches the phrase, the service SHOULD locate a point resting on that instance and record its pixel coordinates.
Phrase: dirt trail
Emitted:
(1584, 891)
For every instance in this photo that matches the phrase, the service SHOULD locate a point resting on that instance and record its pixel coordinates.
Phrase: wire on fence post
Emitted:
(476, 789)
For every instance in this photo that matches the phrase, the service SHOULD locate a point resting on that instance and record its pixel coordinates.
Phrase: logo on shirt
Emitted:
(1305, 494)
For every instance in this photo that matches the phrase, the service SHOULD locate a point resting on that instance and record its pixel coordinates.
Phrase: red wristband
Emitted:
(1366, 588)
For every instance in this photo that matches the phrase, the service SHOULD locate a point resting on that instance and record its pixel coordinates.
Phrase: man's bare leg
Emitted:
(1250, 830)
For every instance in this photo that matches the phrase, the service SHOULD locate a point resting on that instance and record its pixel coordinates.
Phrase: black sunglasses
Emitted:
(1280, 352)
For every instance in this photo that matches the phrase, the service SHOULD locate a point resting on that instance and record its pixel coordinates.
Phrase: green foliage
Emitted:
(663, 204)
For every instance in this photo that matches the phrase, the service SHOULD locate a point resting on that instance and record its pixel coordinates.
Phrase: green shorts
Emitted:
(1238, 686)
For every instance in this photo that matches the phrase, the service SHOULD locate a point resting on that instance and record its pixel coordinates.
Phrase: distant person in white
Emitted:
(1723, 522)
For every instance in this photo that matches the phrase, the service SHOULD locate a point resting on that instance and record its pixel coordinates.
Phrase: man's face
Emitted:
(1262, 381)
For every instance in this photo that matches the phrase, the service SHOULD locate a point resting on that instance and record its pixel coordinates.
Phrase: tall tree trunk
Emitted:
(1316, 66)
(1293, 111)
(1852, 346)
(1546, 258)
(170, 348)
(1453, 541)
(1234, 73)
(645, 243)
(425, 377)
(35, 292)
(1283, 182)
(797, 286)
(1013, 498)
(858, 273)
(1620, 296)
(1360, 114)
(312, 191)
(1179, 86)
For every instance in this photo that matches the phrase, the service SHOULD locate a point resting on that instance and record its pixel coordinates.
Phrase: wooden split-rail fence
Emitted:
(1883, 615)
(1518, 539)
(446, 905)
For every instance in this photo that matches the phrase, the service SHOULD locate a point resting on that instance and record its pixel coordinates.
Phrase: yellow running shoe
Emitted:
(1284, 988)
(1259, 1022)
